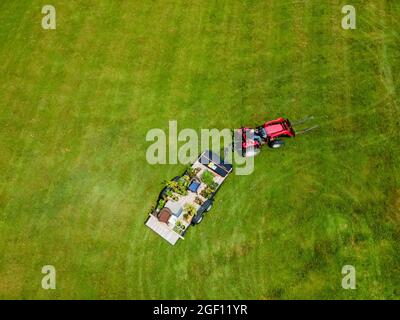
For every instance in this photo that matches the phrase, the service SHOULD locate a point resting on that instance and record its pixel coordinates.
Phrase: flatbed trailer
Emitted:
(186, 199)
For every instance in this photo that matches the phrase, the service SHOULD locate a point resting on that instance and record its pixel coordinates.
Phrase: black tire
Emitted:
(276, 144)
(197, 221)
(209, 207)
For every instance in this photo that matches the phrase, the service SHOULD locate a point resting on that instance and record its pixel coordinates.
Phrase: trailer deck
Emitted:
(176, 211)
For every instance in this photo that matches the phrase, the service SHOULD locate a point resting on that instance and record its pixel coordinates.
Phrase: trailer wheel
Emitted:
(209, 207)
(198, 221)
(276, 144)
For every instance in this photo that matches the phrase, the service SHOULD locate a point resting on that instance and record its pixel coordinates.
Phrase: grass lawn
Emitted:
(76, 104)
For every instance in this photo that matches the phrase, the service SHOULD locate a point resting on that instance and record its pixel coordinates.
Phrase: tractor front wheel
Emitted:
(276, 144)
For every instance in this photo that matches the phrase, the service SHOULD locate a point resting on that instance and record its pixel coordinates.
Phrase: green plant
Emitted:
(192, 172)
(213, 185)
(185, 180)
(169, 194)
(171, 184)
(177, 187)
(161, 204)
(198, 201)
(208, 179)
(206, 193)
(190, 209)
(179, 227)
(181, 188)
(203, 193)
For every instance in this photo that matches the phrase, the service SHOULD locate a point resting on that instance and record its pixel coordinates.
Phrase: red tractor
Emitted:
(249, 141)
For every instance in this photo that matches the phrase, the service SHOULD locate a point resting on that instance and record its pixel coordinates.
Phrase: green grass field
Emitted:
(76, 104)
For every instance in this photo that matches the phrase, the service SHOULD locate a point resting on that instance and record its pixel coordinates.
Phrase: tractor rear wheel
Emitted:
(276, 144)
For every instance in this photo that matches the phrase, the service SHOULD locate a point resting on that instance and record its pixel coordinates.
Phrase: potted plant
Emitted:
(187, 217)
(177, 187)
(198, 201)
(179, 227)
(161, 204)
(186, 180)
(192, 172)
(207, 177)
(206, 193)
(190, 209)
